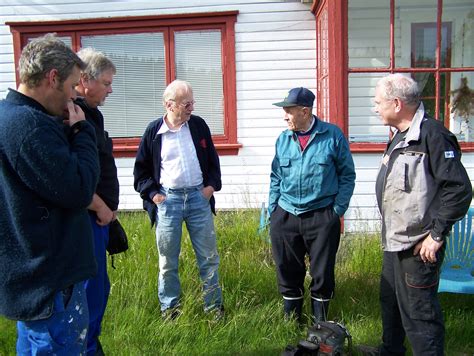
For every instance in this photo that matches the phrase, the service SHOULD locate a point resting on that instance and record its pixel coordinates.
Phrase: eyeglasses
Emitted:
(187, 105)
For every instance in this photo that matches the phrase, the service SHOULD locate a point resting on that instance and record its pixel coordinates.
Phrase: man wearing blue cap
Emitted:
(311, 183)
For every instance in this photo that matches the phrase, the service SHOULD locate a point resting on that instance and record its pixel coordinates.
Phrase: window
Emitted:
(150, 52)
(431, 41)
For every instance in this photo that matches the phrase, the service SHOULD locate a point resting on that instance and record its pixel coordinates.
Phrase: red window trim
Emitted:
(339, 70)
(226, 144)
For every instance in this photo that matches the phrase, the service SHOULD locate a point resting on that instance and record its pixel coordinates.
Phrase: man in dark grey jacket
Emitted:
(48, 174)
(422, 189)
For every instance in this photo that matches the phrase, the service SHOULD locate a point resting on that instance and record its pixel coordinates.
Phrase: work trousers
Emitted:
(63, 333)
(410, 306)
(97, 288)
(316, 233)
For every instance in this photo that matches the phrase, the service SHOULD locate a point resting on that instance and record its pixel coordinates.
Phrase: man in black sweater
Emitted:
(47, 180)
(94, 86)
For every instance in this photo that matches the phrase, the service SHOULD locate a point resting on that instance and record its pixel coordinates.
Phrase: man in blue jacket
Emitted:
(311, 184)
(176, 173)
(48, 174)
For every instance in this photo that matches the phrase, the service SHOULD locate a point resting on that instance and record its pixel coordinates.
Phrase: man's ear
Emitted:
(53, 78)
(84, 80)
(398, 104)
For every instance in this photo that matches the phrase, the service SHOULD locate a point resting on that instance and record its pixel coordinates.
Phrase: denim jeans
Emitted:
(63, 333)
(410, 306)
(97, 288)
(190, 206)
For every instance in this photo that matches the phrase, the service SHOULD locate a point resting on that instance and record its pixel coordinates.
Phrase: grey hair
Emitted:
(43, 54)
(96, 63)
(400, 86)
(173, 88)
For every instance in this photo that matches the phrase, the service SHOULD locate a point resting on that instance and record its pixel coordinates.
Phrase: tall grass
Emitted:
(254, 323)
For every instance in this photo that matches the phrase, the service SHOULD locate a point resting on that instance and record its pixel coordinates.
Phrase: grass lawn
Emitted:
(253, 324)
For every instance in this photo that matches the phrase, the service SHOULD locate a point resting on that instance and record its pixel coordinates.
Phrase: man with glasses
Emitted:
(176, 172)
(422, 189)
(94, 87)
(311, 183)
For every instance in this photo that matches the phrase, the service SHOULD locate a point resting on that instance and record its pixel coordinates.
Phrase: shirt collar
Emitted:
(164, 127)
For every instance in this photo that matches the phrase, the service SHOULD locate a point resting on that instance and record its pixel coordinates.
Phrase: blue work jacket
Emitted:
(321, 175)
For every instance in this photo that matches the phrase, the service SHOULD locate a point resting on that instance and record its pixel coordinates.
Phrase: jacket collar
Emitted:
(18, 98)
(414, 131)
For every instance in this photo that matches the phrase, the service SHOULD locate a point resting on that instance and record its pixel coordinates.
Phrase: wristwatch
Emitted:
(437, 238)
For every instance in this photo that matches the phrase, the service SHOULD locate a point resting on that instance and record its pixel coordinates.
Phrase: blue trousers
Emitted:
(97, 288)
(63, 333)
(190, 206)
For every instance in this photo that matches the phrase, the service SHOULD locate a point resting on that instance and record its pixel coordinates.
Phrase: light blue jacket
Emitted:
(322, 175)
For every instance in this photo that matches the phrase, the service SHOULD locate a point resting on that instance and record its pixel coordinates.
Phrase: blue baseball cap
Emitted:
(297, 97)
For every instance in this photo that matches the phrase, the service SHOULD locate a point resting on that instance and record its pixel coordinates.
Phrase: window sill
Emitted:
(126, 148)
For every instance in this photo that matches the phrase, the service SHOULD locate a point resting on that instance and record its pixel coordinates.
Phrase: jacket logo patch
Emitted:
(448, 154)
(203, 143)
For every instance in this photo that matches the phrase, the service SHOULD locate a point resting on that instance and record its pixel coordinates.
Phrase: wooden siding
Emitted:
(275, 51)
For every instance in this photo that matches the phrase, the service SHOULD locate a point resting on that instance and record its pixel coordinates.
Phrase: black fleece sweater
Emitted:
(46, 184)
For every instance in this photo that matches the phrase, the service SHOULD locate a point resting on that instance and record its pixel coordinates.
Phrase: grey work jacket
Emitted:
(426, 188)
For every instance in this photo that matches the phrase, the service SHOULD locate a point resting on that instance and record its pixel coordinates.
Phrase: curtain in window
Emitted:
(198, 60)
(139, 83)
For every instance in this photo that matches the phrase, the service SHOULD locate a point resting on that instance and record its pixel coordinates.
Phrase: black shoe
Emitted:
(217, 313)
(366, 350)
(171, 314)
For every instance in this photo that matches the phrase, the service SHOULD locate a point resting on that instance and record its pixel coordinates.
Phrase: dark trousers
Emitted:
(410, 306)
(316, 233)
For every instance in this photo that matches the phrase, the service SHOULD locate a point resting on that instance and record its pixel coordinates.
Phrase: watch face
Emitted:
(437, 238)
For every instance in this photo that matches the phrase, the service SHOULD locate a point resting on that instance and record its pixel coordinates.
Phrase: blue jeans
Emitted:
(190, 206)
(97, 288)
(63, 333)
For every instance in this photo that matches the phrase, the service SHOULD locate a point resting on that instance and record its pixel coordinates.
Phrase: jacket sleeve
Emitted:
(214, 169)
(144, 181)
(345, 175)
(275, 180)
(451, 178)
(61, 172)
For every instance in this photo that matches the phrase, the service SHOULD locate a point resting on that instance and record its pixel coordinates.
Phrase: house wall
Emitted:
(275, 51)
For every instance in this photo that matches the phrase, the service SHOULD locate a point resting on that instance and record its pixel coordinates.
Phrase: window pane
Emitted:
(369, 33)
(199, 61)
(364, 124)
(323, 65)
(460, 14)
(461, 111)
(409, 15)
(424, 45)
(139, 83)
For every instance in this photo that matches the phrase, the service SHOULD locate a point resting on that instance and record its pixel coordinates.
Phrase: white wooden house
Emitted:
(242, 56)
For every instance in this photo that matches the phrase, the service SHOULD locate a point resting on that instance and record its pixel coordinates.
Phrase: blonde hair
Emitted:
(43, 54)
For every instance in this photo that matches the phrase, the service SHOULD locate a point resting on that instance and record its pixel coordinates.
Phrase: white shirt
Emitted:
(179, 163)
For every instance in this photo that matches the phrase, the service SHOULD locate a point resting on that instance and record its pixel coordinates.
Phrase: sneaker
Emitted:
(171, 314)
